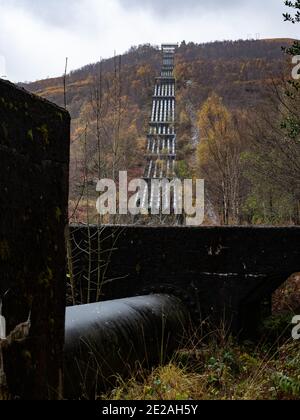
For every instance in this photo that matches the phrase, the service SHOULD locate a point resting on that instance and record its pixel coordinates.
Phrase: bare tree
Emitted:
(275, 145)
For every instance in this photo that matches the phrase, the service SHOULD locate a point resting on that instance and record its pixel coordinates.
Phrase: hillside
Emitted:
(238, 71)
(231, 68)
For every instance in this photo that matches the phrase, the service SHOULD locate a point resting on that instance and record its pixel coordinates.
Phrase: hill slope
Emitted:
(238, 71)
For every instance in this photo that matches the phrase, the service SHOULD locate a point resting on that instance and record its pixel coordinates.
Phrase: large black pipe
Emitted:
(109, 339)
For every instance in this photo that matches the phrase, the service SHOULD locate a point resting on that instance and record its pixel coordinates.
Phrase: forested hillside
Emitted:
(110, 106)
(233, 69)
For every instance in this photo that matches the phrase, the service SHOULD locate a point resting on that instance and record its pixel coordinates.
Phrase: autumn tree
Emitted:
(109, 141)
(291, 122)
(273, 162)
(276, 141)
(219, 158)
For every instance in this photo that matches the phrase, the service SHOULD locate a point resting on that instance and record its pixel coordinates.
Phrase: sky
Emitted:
(37, 35)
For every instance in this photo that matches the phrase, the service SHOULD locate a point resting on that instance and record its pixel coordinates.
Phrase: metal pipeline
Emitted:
(107, 340)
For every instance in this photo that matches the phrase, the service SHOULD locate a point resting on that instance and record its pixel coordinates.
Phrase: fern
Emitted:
(287, 384)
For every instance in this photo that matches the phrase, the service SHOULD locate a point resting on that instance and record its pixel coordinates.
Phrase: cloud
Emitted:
(36, 36)
(52, 12)
(168, 7)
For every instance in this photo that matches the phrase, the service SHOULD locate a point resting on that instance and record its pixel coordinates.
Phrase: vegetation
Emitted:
(219, 158)
(110, 102)
(211, 372)
(239, 129)
(218, 367)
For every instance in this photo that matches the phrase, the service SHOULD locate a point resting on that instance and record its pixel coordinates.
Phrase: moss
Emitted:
(44, 132)
(30, 135)
(45, 278)
(26, 355)
(58, 214)
(27, 359)
(60, 116)
(4, 251)
(5, 130)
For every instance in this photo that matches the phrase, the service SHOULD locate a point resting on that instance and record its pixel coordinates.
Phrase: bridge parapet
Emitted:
(216, 270)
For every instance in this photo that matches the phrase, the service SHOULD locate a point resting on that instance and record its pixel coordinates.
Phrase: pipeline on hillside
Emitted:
(107, 340)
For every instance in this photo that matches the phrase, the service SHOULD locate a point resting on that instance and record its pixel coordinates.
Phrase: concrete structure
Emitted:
(219, 272)
(34, 168)
(161, 140)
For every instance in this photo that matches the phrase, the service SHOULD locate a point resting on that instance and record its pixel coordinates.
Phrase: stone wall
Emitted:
(34, 165)
(219, 271)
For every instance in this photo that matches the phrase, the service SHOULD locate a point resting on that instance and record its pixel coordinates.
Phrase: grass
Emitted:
(212, 372)
(220, 368)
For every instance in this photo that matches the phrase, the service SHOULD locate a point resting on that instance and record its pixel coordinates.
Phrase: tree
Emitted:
(219, 158)
(296, 16)
(291, 122)
(274, 159)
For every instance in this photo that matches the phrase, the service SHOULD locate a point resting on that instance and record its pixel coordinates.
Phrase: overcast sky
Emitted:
(37, 35)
